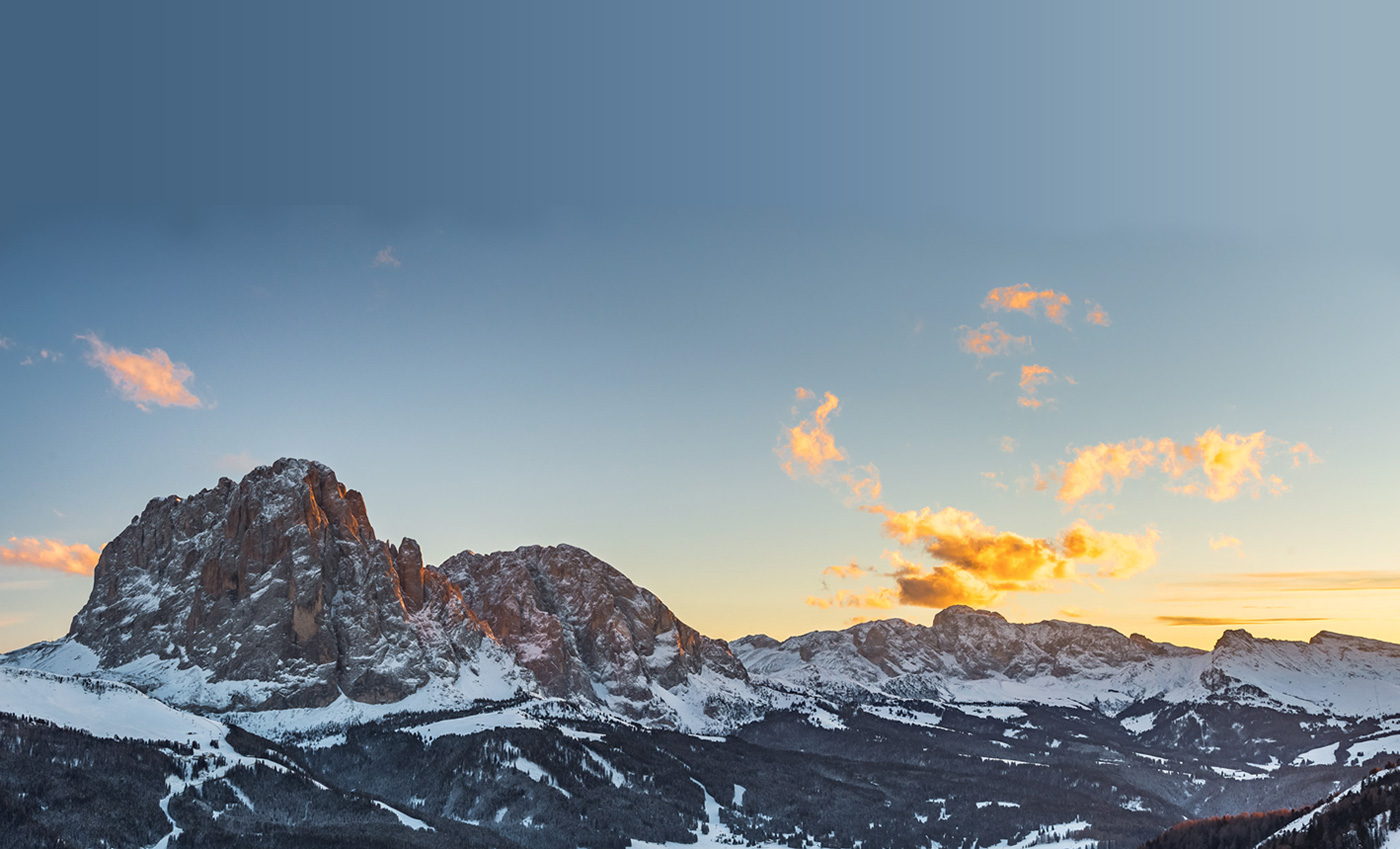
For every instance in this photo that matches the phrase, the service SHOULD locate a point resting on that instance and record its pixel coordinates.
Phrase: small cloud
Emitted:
(1303, 454)
(56, 512)
(918, 327)
(1021, 298)
(77, 558)
(994, 375)
(990, 340)
(1217, 621)
(1032, 403)
(6, 343)
(810, 445)
(852, 570)
(1007, 445)
(805, 394)
(51, 356)
(237, 464)
(27, 361)
(1096, 314)
(149, 378)
(1223, 542)
(386, 257)
(1072, 612)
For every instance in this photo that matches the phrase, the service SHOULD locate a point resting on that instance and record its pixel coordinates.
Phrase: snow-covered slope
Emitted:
(101, 708)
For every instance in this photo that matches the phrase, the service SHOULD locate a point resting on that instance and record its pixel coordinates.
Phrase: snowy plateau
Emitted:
(255, 668)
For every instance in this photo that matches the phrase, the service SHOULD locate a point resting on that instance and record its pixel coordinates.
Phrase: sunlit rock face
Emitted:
(277, 581)
(583, 629)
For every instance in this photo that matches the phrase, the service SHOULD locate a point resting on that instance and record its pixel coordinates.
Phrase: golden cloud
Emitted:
(1217, 621)
(1032, 403)
(810, 444)
(1118, 555)
(990, 340)
(149, 378)
(1227, 462)
(77, 558)
(1303, 454)
(852, 570)
(1096, 315)
(1021, 298)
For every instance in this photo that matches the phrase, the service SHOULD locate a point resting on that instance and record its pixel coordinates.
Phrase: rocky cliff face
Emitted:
(277, 581)
(583, 629)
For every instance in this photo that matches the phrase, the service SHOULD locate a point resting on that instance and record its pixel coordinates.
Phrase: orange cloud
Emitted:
(1302, 451)
(1032, 403)
(1096, 315)
(149, 378)
(990, 340)
(1007, 445)
(810, 444)
(1022, 298)
(1228, 463)
(805, 394)
(863, 488)
(1072, 612)
(852, 570)
(882, 599)
(1003, 561)
(1034, 376)
(49, 554)
(1118, 555)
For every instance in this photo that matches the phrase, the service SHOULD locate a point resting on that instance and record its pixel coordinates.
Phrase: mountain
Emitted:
(969, 655)
(274, 593)
(351, 693)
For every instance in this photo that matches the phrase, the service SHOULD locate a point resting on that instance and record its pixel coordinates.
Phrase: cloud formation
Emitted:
(1021, 298)
(977, 565)
(1031, 403)
(1034, 376)
(1215, 621)
(809, 445)
(386, 257)
(990, 340)
(6, 343)
(809, 448)
(1320, 580)
(851, 570)
(1097, 315)
(149, 378)
(1225, 465)
(77, 558)
(1223, 541)
(1007, 445)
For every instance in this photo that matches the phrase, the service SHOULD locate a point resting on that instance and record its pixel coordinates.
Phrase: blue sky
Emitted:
(621, 240)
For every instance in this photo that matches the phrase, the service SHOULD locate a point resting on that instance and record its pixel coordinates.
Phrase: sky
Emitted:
(796, 316)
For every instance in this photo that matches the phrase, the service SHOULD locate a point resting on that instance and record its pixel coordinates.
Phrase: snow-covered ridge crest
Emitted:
(977, 656)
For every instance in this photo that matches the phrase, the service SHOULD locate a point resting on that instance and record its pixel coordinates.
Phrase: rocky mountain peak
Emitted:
(273, 591)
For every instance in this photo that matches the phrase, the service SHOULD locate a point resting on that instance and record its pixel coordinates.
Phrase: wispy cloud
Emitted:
(990, 340)
(6, 343)
(851, 570)
(144, 379)
(1223, 542)
(1097, 315)
(1218, 621)
(1022, 298)
(1319, 580)
(1226, 464)
(237, 464)
(1007, 444)
(386, 257)
(49, 554)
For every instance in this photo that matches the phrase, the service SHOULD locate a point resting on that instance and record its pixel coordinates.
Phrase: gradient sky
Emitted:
(543, 274)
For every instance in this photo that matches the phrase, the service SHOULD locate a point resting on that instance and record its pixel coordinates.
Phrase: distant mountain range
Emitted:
(270, 673)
